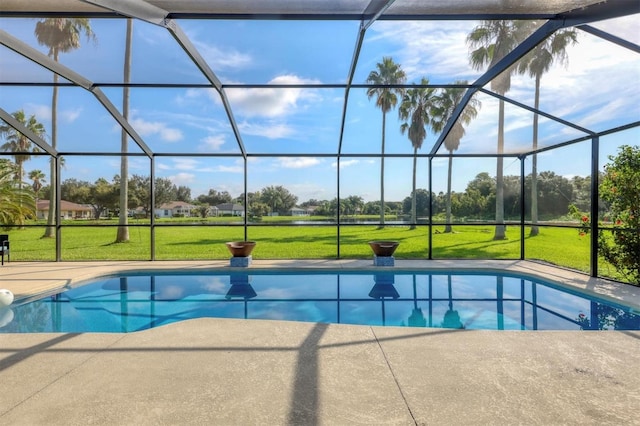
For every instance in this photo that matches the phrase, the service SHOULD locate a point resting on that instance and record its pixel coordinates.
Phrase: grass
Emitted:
(560, 246)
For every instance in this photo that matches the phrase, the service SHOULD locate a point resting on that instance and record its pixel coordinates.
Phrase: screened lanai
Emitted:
(158, 130)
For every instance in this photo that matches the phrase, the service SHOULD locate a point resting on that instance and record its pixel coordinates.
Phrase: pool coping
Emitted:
(31, 280)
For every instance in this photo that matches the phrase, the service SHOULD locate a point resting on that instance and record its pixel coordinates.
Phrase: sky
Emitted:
(597, 89)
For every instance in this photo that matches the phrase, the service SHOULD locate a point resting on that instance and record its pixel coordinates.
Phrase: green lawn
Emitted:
(560, 246)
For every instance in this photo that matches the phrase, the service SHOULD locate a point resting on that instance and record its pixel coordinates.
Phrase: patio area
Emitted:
(225, 371)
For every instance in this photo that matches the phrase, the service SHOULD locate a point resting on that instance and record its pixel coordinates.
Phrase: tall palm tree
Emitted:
(415, 110)
(38, 179)
(19, 144)
(123, 218)
(536, 63)
(16, 204)
(444, 104)
(387, 73)
(492, 41)
(60, 35)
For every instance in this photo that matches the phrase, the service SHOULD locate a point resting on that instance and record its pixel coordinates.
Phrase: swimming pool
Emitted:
(446, 299)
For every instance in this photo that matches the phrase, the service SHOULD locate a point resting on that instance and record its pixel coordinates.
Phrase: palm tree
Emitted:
(123, 218)
(444, 105)
(415, 110)
(387, 73)
(536, 63)
(16, 203)
(492, 41)
(18, 143)
(60, 35)
(38, 179)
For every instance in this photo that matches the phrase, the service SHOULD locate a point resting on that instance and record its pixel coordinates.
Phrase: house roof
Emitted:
(177, 205)
(64, 205)
(229, 206)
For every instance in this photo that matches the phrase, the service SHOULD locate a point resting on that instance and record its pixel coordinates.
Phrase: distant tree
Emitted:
(38, 179)
(213, 197)
(183, 193)
(76, 191)
(103, 196)
(16, 204)
(491, 41)
(139, 192)
(386, 73)
(415, 109)
(443, 107)
(421, 198)
(60, 35)
(203, 210)
(165, 191)
(258, 209)
(353, 204)
(536, 63)
(18, 144)
(278, 198)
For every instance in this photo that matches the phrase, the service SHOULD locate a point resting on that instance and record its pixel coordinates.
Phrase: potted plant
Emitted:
(384, 248)
(241, 248)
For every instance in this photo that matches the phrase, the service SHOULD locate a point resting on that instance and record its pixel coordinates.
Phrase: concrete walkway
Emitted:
(239, 372)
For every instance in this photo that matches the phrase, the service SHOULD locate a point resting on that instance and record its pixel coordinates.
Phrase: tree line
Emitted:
(555, 196)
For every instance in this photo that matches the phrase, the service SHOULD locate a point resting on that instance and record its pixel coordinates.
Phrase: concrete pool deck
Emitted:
(238, 372)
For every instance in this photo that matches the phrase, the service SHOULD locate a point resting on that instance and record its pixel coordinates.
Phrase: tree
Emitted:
(60, 35)
(444, 105)
(183, 193)
(278, 198)
(353, 204)
(536, 63)
(19, 144)
(76, 191)
(415, 110)
(165, 191)
(122, 234)
(421, 199)
(140, 192)
(38, 179)
(492, 41)
(387, 73)
(17, 204)
(619, 188)
(213, 197)
(103, 195)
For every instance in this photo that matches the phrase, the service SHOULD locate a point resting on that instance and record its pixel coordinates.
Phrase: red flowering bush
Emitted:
(620, 188)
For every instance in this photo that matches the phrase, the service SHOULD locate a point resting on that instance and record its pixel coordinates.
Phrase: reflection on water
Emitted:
(413, 299)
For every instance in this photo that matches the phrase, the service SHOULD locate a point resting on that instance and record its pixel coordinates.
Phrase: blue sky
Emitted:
(598, 89)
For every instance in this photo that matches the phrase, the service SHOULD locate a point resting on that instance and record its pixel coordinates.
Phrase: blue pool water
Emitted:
(132, 302)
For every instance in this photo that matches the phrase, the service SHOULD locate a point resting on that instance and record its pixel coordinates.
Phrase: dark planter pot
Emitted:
(241, 248)
(384, 248)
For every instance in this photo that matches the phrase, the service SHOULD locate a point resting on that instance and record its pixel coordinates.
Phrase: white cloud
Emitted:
(185, 163)
(212, 142)
(182, 178)
(298, 163)
(70, 116)
(270, 130)
(230, 169)
(429, 48)
(148, 128)
(345, 163)
(272, 102)
(42, 112)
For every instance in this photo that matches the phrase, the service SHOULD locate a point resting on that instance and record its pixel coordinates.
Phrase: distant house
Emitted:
(230, 209)
(68, 210)
(297, 211)
(175, 209)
